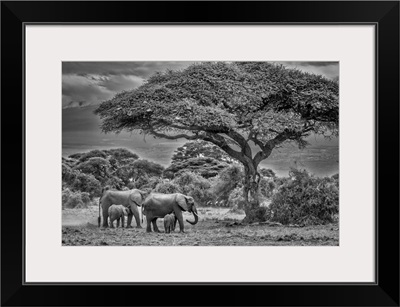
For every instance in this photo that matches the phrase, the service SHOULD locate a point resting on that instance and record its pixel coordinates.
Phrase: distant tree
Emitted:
(230, 104)
(226, 182)
(76, 156)
(96, 153)
(144, 169)
(70, 162)
(150, 184)
(90, 171)
(200, 149)
(267, 172)
(200, 157)
(168, 174)
(121, 154)
(100, 168)
(115, 183)
(204, 166)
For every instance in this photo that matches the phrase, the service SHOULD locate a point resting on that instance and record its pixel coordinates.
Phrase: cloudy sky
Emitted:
(90, 83)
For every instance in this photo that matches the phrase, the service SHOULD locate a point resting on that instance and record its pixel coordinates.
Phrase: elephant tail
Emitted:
(99, 218)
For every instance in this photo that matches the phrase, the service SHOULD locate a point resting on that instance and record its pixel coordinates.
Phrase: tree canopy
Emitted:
(228, 104)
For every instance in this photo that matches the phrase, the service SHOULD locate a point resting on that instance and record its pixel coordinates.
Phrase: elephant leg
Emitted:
(118, 222)
(111, 223)
(135, 212)
(129, 221)
(148, 220)
(105, 216)
(148, 228)
(174, 225)
(154, 222)
(179, 217)
(122, 221)
(137, 219)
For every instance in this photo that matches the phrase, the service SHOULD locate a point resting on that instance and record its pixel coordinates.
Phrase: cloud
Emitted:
(79, 90)
(89, 83)
(329, 70)
(139, 69)
(121, 83)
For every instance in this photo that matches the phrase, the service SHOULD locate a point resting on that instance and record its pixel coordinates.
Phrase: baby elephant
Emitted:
(169, 222)
(117, 212)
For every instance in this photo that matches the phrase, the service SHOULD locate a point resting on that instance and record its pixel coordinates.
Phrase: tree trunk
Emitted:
(254, 213)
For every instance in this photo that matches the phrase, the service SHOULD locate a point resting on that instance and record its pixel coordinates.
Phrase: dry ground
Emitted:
(216, 226)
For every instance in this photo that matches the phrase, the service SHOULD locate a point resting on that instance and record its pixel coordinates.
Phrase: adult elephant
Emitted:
(158, 205)
(130, 199)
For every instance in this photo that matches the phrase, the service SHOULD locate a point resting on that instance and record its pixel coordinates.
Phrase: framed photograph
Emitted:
(146, 150)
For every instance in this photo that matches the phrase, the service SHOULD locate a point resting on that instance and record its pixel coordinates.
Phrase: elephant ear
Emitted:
(136, 197)
(182, 202)
(143, 194)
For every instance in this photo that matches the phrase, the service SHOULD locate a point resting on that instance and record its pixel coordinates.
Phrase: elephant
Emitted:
(117, 212)
(158, 205)
(170, 222)
(130, 199)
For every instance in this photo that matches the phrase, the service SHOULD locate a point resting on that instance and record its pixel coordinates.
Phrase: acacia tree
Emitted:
(230, 104)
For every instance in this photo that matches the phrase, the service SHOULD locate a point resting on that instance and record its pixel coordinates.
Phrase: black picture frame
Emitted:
(383, 14)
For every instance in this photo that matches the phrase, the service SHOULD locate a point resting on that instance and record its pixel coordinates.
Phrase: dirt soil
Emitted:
(216, 227)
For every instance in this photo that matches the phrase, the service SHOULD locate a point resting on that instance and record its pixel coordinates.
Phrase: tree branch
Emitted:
(221, 142)
(213, 138)
(242, 142)
(271, 144)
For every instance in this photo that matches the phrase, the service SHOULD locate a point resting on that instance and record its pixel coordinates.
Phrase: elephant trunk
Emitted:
(99, 218)
(196, 217)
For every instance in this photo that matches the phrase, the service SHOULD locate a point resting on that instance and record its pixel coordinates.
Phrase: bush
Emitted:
(150, 184)
(100, 168)
(194, 185)
(77, 181)
(74, 200)
(306, 200)
(114, 183)
(266, 187)
(226, 182)
(167, 188)
(236, 199)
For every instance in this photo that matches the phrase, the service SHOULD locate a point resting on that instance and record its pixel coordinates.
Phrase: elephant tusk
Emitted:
(195, 213)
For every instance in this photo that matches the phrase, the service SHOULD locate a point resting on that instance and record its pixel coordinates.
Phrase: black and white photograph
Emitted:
(210, 153)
